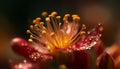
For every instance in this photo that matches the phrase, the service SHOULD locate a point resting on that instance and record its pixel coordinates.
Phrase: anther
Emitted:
(58, 17)
(51, 34)
(43, 32)
(28, 32)
(50, 15)
(47, 20)
(67, 15)
(41, 23)
(36, 25)
(38, 19)
(54, 13)
(76, 18)
(65, 19)
(31, 36)
(83, 26)
(34, 21)
(82, 32)
(44, 14)
(74, 15)
(30, 40)
(31, 27)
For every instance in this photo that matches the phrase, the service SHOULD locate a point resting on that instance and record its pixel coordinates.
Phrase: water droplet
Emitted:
(35, 56)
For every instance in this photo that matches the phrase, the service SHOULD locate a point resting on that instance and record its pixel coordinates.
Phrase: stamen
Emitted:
(38, 19)
(58, 17)
(47, 20)
(34, 21)
(54, 13)
(44, 14)
(31, 27)
(41, 23)
(28, 32)
(51, 34)
(44, 32)
(65, 18)
(82, 32)
(76, 18)
(30, 40)
(55, 34)
(67, 15)
(83, 27)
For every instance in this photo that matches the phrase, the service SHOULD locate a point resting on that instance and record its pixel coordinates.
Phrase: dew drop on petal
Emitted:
(34, 56)
(23, 65)
(90, 39)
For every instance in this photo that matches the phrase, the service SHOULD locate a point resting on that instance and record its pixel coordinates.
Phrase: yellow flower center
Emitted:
(53, 33)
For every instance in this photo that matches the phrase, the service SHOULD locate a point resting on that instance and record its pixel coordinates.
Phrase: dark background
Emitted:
(17, 15)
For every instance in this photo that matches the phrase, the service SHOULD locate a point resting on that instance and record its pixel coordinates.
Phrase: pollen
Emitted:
(44, 14)
(30, 40)
(54, 33)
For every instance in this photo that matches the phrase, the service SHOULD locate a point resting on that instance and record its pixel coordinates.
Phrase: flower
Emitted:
(58, 44)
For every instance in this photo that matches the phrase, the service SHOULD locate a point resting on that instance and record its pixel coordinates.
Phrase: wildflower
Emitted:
(56, 44)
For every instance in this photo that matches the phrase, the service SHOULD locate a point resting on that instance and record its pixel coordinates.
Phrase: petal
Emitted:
(82, 60)
(99, 48)
(105, 61)
(117, 63)
(63, 56)
(31, 65)
(90, 39)
(21, 47)
(24, 65)
(114, 51)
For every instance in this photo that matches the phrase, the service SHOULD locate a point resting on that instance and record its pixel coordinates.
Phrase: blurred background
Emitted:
(17, 15)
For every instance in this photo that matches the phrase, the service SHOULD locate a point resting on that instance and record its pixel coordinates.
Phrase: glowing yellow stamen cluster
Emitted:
(54, 33)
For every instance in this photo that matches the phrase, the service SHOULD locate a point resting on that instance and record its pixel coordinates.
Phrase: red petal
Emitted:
(99, 48)
(24, 65)
(29, 65)
(63, 56)
(90, 39)
(105, 61)
(82, 60)
(21, 47)
(114, 51)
